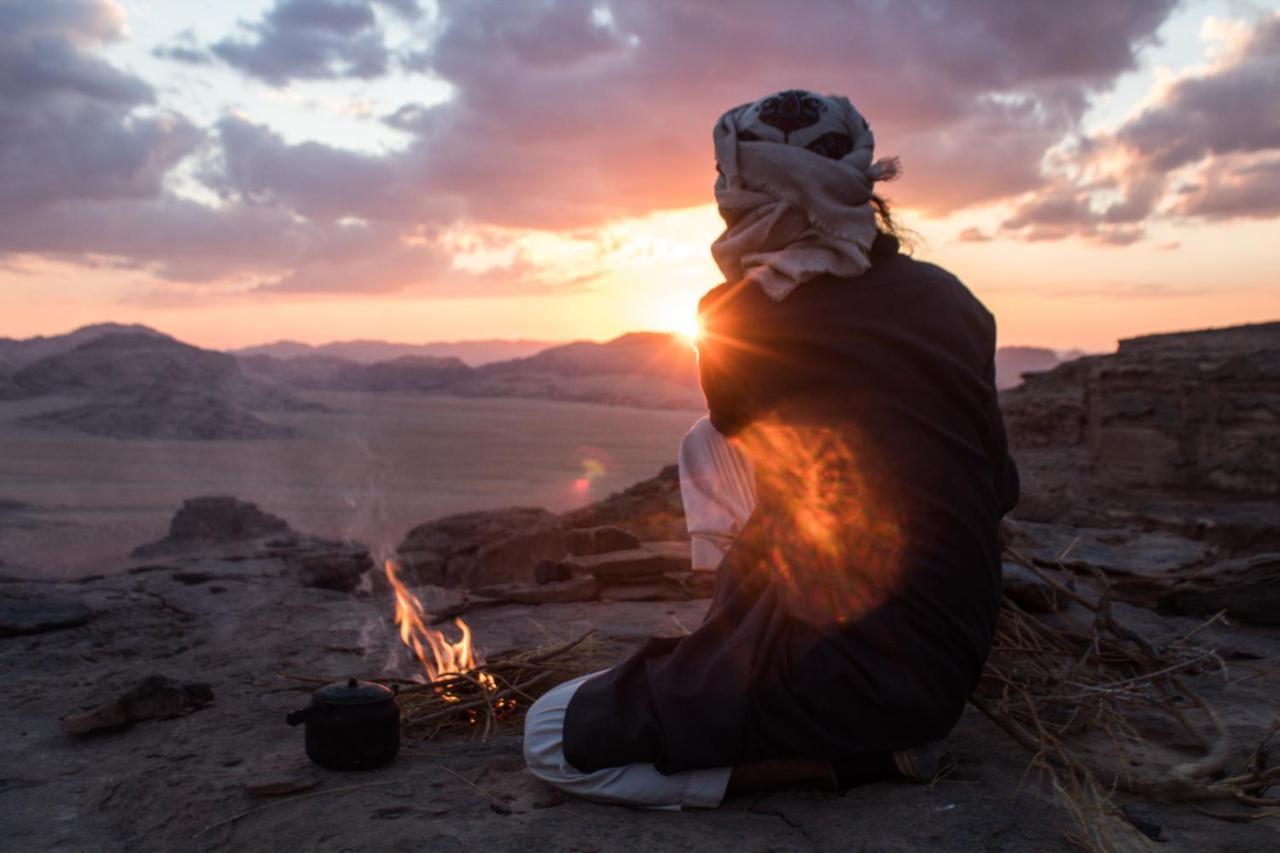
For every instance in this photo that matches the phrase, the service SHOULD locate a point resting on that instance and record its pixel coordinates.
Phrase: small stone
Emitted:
(589, 541)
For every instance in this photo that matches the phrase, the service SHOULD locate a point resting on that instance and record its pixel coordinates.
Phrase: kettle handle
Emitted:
(299, 716)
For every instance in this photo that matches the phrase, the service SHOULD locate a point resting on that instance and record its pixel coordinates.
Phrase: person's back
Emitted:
(897, 365)
(847, 488)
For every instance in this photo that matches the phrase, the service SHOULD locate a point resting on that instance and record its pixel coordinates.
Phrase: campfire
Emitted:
(458, 689)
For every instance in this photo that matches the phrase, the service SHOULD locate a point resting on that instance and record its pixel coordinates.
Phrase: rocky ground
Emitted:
(236, 601)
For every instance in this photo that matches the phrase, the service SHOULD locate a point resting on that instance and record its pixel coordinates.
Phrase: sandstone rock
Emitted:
(651, 509)
(659, 588)
(1247, 588)
(1140, 566)
(1155, 554)
(329, 565)
(215, 521)
(636, 563)
(23, 611)
(1048, 409)
(514, 557)
(561, 592)
(1194, 412)
(551, 571)
(447, 551)
(679, 551)
(587, 541)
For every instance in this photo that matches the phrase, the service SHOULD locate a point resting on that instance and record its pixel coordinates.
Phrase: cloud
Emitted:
(1207, 147)
(973, 235)
(313, 179)
(566, 114)
(185, 49)
(423, 269)
(1233, 188)
(312, 40)
(71, 125)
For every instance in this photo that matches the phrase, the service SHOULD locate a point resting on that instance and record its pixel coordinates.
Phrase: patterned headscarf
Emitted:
(795, 189)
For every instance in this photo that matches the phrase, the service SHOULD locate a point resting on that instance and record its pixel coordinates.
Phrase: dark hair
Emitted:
(886, 225)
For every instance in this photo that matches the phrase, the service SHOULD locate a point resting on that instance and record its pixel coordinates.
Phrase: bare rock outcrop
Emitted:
(144, 385)
(651, 509)
(214, 521)
(585, 541)
(220, 524)
(1191, 412)
(474, 549)
(1247, 589)
(525, 544)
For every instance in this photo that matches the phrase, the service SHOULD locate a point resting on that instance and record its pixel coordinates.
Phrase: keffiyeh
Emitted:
(794, 189)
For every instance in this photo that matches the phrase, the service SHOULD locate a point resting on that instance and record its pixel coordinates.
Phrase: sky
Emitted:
(410, 170)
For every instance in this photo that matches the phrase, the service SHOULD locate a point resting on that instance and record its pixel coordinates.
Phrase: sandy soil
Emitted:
(370, 468)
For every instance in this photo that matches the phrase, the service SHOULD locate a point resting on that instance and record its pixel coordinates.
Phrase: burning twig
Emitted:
(498, 694)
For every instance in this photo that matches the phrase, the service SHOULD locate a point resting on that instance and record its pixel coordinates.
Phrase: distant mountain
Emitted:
(329, 373)
(143, 384)
(649, 369)
(472, 353)
(1012, 362)
(20, 352)
(118, 360)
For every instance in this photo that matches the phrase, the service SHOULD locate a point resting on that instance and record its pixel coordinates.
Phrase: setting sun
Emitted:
(679, 317)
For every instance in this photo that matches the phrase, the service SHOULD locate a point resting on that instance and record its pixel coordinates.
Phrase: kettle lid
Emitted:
(352, 692)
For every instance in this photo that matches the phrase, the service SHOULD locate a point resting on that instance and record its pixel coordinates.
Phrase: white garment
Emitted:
(717, 485)
(632, 784)
(795, 187)
(718, 488)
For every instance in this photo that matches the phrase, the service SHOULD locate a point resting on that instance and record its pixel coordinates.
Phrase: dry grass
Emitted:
(1101, 710)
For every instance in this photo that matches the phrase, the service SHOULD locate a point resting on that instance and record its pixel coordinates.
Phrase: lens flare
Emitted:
(593, 469)
(833, 533)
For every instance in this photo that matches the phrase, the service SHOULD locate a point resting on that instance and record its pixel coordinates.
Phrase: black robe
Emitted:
(854, 613)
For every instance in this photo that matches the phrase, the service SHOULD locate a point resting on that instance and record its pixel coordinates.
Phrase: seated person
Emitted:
(847, 486)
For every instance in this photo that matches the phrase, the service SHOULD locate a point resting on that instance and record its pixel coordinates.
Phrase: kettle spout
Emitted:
(297, 717)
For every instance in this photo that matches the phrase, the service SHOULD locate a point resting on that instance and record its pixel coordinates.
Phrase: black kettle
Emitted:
(351, 725)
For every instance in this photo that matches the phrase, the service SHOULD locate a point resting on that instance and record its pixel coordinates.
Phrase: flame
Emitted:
(437, 654)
